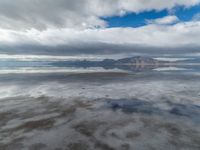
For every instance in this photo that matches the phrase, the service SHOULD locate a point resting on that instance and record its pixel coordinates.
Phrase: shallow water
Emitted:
(100, 109)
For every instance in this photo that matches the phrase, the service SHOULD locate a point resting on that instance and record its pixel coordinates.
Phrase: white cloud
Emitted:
(165, 20)
(67, 22)
(42, 14)
(179, 34)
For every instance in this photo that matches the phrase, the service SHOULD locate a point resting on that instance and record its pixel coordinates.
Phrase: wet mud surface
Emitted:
(88, 111)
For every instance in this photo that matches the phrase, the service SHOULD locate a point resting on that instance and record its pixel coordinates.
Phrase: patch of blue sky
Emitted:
(187, 14)
(133, 19)
(140, 19)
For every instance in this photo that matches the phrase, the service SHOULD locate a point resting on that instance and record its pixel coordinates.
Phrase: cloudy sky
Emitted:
(66, 27)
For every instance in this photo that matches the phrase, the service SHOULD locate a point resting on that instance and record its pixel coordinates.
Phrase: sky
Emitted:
(99, 27)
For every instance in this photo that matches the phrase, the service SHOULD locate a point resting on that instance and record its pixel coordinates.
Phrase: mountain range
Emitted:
(132, 63)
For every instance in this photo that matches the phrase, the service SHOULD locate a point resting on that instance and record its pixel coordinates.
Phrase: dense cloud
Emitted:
(151, 35)
(76, 26)
(97, 50)
(165, 20)
(42, 14)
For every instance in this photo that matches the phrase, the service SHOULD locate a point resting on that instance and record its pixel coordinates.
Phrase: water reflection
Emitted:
(103, 110)
(188, 111)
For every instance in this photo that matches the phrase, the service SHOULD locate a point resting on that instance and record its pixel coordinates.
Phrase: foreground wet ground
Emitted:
(102, 111)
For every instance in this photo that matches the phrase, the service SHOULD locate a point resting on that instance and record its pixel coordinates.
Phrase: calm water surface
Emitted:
(55, 108)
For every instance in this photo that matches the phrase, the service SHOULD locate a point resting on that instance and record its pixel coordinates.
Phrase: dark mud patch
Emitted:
(171, 128)
(103, 146)
(180, 135)
(14, 145)
(37, 146)
(125, 147)
(39, 124)
(83, 104)
(77, 146)
(67, 111)
(133, 135)
(70, 109)
(87, 128)
(5, 117)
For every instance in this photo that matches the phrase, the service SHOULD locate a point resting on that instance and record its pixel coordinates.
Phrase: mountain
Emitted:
(137, 61)
(132, 63)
